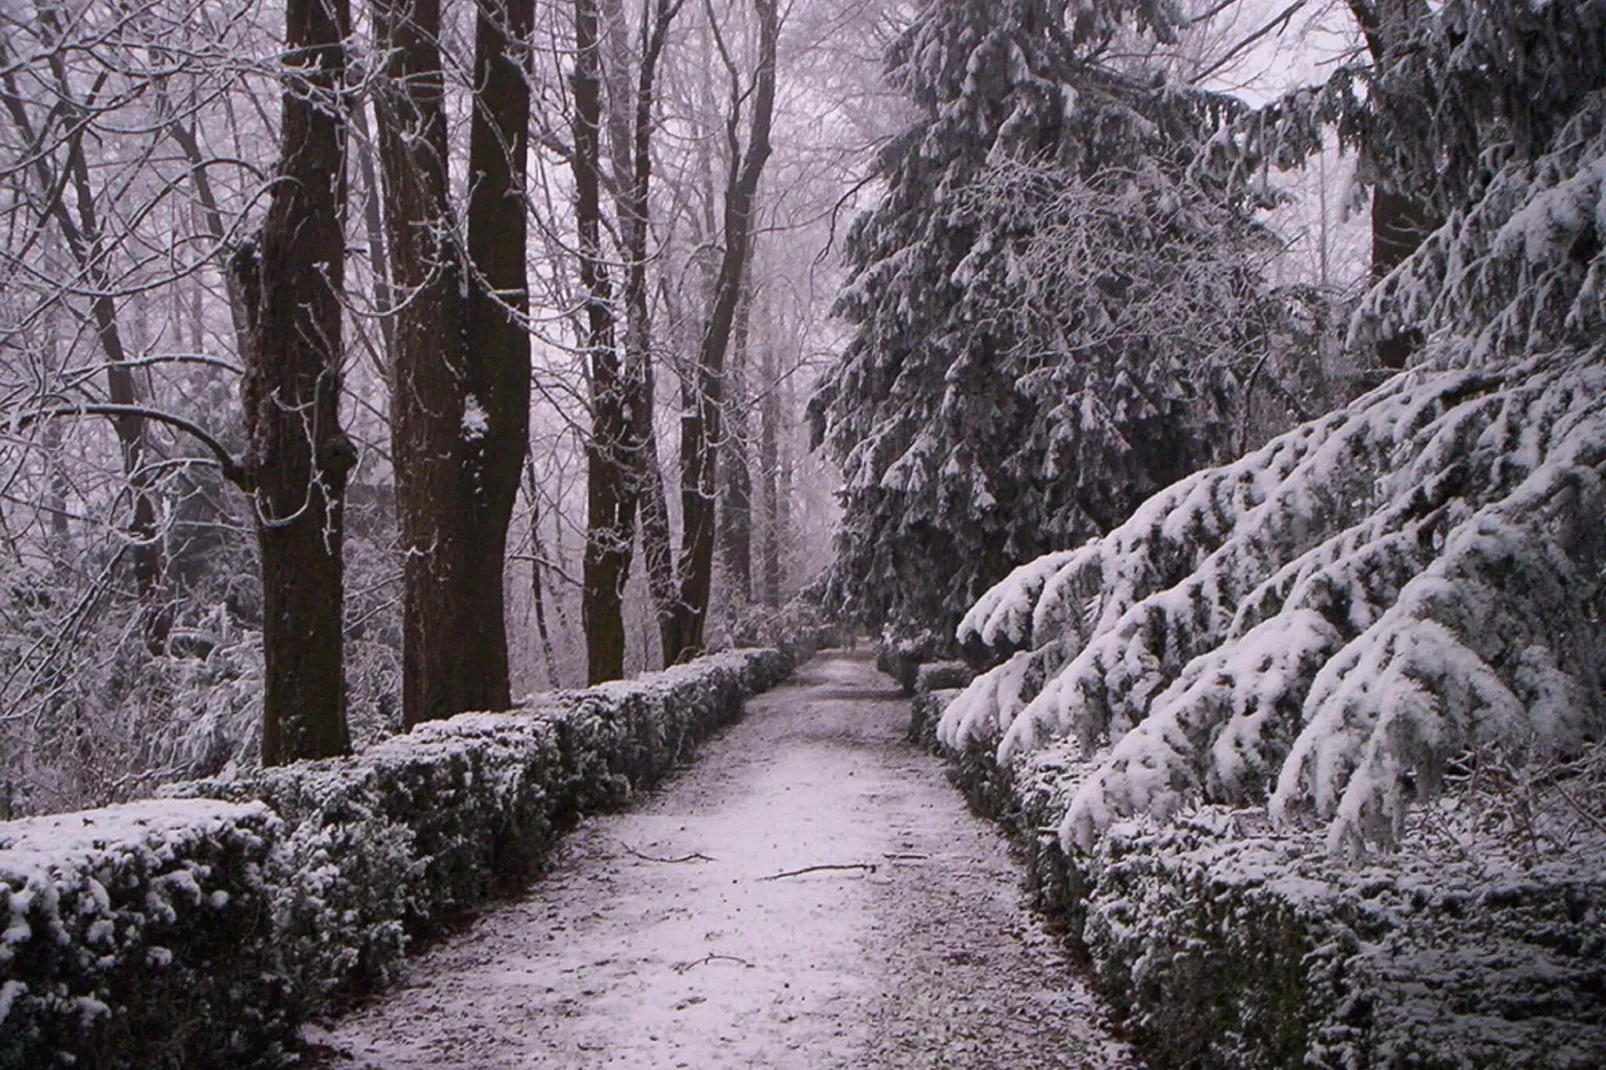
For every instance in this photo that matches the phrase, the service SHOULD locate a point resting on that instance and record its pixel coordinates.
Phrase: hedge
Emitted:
(1220, 942)
(200, 929)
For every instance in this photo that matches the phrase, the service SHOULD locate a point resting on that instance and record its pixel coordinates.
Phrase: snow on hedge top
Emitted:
(1328, 620)
(35, 848)
(60, 873)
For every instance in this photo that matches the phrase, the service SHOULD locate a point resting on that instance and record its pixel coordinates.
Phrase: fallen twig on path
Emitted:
(695, 856)
(867, 866)
(905, 856)
(684, 966)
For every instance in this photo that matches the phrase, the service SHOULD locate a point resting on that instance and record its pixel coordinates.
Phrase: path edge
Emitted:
(224, 914)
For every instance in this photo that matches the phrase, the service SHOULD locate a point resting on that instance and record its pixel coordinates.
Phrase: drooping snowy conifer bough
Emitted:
(1330, 624)
(1329, 621)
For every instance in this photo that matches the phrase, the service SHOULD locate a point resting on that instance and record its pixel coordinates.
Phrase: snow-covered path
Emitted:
(659, 941)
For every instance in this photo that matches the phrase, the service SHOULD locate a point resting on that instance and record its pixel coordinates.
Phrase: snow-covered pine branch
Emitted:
(1329, 621)
(1519, 270)
(1327, 624)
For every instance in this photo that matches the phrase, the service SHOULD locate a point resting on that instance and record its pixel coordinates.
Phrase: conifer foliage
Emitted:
(1052, 317)
(1334, 622)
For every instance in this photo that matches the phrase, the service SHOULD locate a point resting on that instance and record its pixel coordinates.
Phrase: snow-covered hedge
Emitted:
(139, 934)
(237, 908)
(901, 658)
(936, 684)
(1224, 946)
(1224, 943)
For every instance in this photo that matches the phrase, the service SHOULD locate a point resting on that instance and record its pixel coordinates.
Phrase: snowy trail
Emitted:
(654, 942)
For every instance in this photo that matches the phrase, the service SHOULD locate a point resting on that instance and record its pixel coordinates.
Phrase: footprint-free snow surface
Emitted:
(811, 894)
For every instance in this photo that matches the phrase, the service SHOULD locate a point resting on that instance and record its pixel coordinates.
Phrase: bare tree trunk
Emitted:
(610, 505)
(290, 282)
(785, 473)
(537, 588)
(622, 455)
(700, 425)
(769, 472)
(1399, 225)
(736, 505)
(497, 347)
(460, 399)
(1399, 222)
(57, 486)
(657, 537)
(374, 228)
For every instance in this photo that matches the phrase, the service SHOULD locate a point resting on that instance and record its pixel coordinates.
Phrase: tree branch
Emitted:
(1232, 53)
(233, 470)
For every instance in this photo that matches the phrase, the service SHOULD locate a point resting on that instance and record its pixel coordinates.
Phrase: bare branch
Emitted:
(232, 469)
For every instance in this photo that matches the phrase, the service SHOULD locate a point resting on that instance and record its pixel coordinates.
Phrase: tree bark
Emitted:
(291, 282)
(460, 399)
(373, 219)
(736, 504)
(537, 588)
(610, 506)
(1399, 225)
(497, 353)
(769, 467)
(622, 455)
(1400, 222)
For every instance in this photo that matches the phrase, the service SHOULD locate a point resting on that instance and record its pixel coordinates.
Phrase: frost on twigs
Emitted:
(1331, 621)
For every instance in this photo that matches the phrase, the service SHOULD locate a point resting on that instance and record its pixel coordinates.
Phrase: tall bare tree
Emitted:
(736, 500)
(460, 399)
(70, 200)
(298, 458)
(621, 451)
(684, 619)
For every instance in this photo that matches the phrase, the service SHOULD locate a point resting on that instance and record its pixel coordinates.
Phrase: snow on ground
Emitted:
(656, 942)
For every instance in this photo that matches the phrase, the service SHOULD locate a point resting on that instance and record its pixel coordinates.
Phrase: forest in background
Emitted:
(578, 248)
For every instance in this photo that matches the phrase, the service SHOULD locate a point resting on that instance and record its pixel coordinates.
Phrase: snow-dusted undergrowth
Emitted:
(1327, 622)
(217, 923)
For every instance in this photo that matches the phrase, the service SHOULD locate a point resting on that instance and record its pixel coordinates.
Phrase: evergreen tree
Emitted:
(1052, 315)
(1334, 624)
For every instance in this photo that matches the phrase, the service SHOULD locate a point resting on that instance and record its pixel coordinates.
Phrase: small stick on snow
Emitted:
(1581, 811)
(867, 866)
(695, 856)
(905, 856)
(684, 966)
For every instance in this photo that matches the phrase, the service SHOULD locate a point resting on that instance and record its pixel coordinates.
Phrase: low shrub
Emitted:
(151, 912)
(222, 916)
(1221, 942)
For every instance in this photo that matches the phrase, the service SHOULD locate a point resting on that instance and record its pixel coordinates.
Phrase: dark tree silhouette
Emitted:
(298, 458)
(460, 398)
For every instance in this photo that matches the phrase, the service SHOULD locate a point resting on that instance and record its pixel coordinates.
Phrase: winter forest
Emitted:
(1200, 403)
